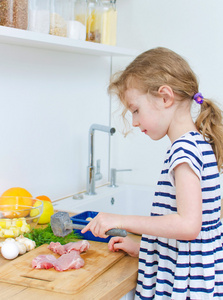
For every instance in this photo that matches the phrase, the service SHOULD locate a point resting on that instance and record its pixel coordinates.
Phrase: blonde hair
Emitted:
(161, 66)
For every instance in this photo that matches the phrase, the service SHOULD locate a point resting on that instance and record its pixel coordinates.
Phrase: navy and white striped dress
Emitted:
(178, 269)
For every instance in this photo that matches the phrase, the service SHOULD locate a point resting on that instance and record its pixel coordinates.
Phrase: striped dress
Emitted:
(179, 269)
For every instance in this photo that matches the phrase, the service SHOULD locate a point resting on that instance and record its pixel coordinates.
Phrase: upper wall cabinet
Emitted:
(45, 41)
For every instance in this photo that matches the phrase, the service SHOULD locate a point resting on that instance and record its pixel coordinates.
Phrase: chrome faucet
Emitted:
(98, 175)
(91, 168)
(113, 176)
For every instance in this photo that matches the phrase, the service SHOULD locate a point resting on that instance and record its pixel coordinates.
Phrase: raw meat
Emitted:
(70, 256)
(80, 246)
(44, 262)
(57, 248)
(69, 261)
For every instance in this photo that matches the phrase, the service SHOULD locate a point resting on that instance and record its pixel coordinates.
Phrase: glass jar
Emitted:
(14, 13)
(109, 22)
(60, 15)
(39, 16)
(76, 27)
(94, 21)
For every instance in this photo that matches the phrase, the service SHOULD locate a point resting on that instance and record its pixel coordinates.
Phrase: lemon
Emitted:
(35, 211)
(48, 211)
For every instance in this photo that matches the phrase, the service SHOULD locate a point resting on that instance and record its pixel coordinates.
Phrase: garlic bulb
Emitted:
(30, 245)
(22, 247)
(9, 240)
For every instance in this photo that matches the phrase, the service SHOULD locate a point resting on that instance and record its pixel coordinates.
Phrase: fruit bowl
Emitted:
(18, 215)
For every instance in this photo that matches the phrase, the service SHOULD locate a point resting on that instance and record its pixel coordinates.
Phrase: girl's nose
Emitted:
(135, 123)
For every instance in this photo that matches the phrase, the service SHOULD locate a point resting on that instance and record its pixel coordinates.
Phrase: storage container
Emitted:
(60, 15)
(14, 13)
(39, 16)
(109, 22)
(76, 27)
(83, 219)
(94, 21)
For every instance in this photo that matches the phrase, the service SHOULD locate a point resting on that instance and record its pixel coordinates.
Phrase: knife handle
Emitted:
(112, 232)
(116, 232)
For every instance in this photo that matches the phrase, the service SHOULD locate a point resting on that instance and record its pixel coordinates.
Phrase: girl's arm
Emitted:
(184, 225)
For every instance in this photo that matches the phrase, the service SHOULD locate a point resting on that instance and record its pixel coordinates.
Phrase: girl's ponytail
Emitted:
(210, 124)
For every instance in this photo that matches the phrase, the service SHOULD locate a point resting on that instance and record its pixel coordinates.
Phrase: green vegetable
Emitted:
(45, 236)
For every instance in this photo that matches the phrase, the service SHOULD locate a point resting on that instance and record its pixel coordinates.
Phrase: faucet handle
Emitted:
(98, 164)
(98, 175)
(113, 176)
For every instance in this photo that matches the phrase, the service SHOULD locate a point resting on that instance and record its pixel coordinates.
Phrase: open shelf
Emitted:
(46, 41)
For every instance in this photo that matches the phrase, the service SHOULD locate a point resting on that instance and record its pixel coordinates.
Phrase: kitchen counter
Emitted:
(112, 284)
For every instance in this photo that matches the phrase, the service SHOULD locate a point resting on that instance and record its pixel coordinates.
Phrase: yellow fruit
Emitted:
(2, 223)
(16, 198)
(36, 211)
(8, 233)
(18, 223)
(13, 227)
(25, 228)
(48, 211)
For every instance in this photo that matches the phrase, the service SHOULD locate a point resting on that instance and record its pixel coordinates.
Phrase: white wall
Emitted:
(193, 28)
(49, 99)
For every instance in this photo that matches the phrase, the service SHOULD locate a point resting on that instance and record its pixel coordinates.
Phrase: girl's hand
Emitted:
(126, 244)
(102, 223)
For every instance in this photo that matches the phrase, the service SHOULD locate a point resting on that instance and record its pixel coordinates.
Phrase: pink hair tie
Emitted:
(198, 98)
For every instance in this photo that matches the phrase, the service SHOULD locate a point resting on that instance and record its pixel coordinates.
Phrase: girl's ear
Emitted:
(167, 95)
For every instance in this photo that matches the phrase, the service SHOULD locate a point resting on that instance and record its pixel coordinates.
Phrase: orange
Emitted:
(17, 199)
(17, 191)
(44, 198)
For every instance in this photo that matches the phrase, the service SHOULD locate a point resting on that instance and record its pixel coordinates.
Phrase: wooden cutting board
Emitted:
(97, 260)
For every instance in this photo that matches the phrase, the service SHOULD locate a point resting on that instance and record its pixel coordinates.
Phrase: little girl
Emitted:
(181, 253)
